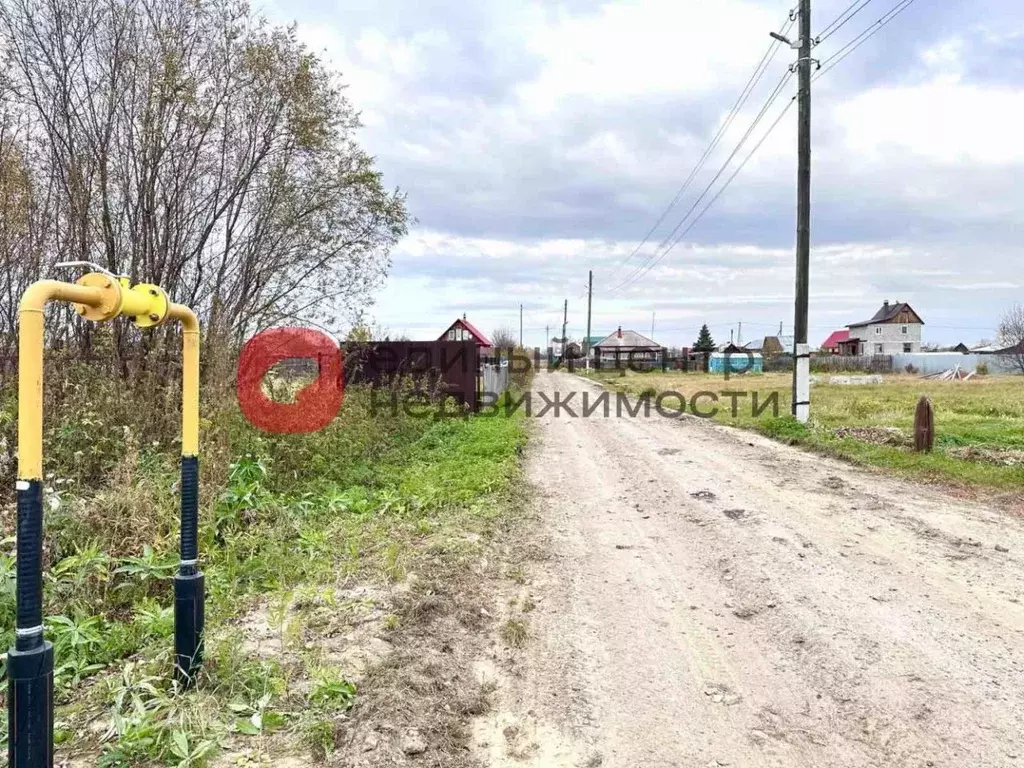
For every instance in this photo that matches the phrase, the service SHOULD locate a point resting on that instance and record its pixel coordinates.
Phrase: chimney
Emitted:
(885, 303)
(464, 314)
(620, 331)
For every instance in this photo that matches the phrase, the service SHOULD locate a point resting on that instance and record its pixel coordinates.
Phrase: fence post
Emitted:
(924, 426)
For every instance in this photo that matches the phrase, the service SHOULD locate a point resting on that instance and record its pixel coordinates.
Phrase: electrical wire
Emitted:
(755, 78)
(654, 258)
(725, 186)
(833, 60)
(831, 29)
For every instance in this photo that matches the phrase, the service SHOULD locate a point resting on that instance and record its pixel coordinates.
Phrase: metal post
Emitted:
(801, 350)
(30, 661)
(189, 583)
(520, 326)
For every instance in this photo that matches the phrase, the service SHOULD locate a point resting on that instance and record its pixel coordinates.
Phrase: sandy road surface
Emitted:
(714, 598)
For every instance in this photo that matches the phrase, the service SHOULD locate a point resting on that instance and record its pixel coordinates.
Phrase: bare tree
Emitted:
(1011, 336)
(504, 338)
(191, 145)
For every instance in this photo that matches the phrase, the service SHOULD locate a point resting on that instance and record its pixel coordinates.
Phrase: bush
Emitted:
(981, 369)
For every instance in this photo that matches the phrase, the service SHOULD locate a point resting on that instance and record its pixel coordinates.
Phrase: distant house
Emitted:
(627, 347)
(771, 346)
(736, 360)
(985, 349)
(894, 329)
(961, 348)
(463, 330)
(833, 342)
(591, 343)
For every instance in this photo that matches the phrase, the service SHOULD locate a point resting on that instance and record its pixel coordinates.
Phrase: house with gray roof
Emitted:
(627, 347)
(894, 329)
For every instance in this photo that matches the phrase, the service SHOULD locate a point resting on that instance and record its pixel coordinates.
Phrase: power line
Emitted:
(831, 29)
(863, 37)
(655, 257)
(727, 182)
(748, 89)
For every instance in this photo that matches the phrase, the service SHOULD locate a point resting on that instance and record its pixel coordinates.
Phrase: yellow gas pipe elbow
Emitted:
(189, 377)
(30, 365)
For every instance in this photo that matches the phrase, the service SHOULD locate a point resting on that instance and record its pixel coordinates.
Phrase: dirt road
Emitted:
(713, 598)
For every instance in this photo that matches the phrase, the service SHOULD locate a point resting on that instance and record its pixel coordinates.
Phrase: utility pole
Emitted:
(590, 299)
(520, 326)
(565, 322)
(801, 350)
(652, 326)
(739, 333)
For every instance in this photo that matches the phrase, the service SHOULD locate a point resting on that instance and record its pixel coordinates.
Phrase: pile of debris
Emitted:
(875, 435)
(952, 374)
(1010, 457)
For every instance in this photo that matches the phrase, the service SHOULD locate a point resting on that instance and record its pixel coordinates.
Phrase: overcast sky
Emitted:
(539, 140)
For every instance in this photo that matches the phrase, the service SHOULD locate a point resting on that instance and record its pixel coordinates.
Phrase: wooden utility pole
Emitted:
(520, 326)
(801, 350)
(590, 299)
(565, 323)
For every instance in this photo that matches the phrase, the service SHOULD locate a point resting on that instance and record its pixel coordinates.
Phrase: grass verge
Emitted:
(979, 423)
(342, 570)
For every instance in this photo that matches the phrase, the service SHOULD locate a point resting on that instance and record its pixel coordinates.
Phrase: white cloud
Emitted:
(537, 140)
(626, 50)
(945, 123)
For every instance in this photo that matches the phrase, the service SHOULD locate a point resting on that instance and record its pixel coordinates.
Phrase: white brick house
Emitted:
(895, 329)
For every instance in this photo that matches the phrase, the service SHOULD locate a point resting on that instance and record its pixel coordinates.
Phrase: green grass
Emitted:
(292, 522)
(985, 413)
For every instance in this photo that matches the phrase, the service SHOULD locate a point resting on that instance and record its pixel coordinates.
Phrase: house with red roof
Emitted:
(463, 330)
(831, 345)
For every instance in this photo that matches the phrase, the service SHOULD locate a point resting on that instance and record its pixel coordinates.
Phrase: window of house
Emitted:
(451, 335)
(878, 330)
(879, 348)
(908, 347)
(904, 329)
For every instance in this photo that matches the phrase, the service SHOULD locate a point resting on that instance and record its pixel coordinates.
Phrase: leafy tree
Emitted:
(189, 144)
(704, 341)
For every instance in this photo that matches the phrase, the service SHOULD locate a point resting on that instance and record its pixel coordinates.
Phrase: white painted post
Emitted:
(802, 403)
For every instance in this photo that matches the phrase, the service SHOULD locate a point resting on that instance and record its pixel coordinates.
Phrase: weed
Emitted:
(515, 633)
(332, 691)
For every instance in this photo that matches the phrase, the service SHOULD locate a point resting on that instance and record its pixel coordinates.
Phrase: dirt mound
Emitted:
(1010, 457)
(875, 435)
